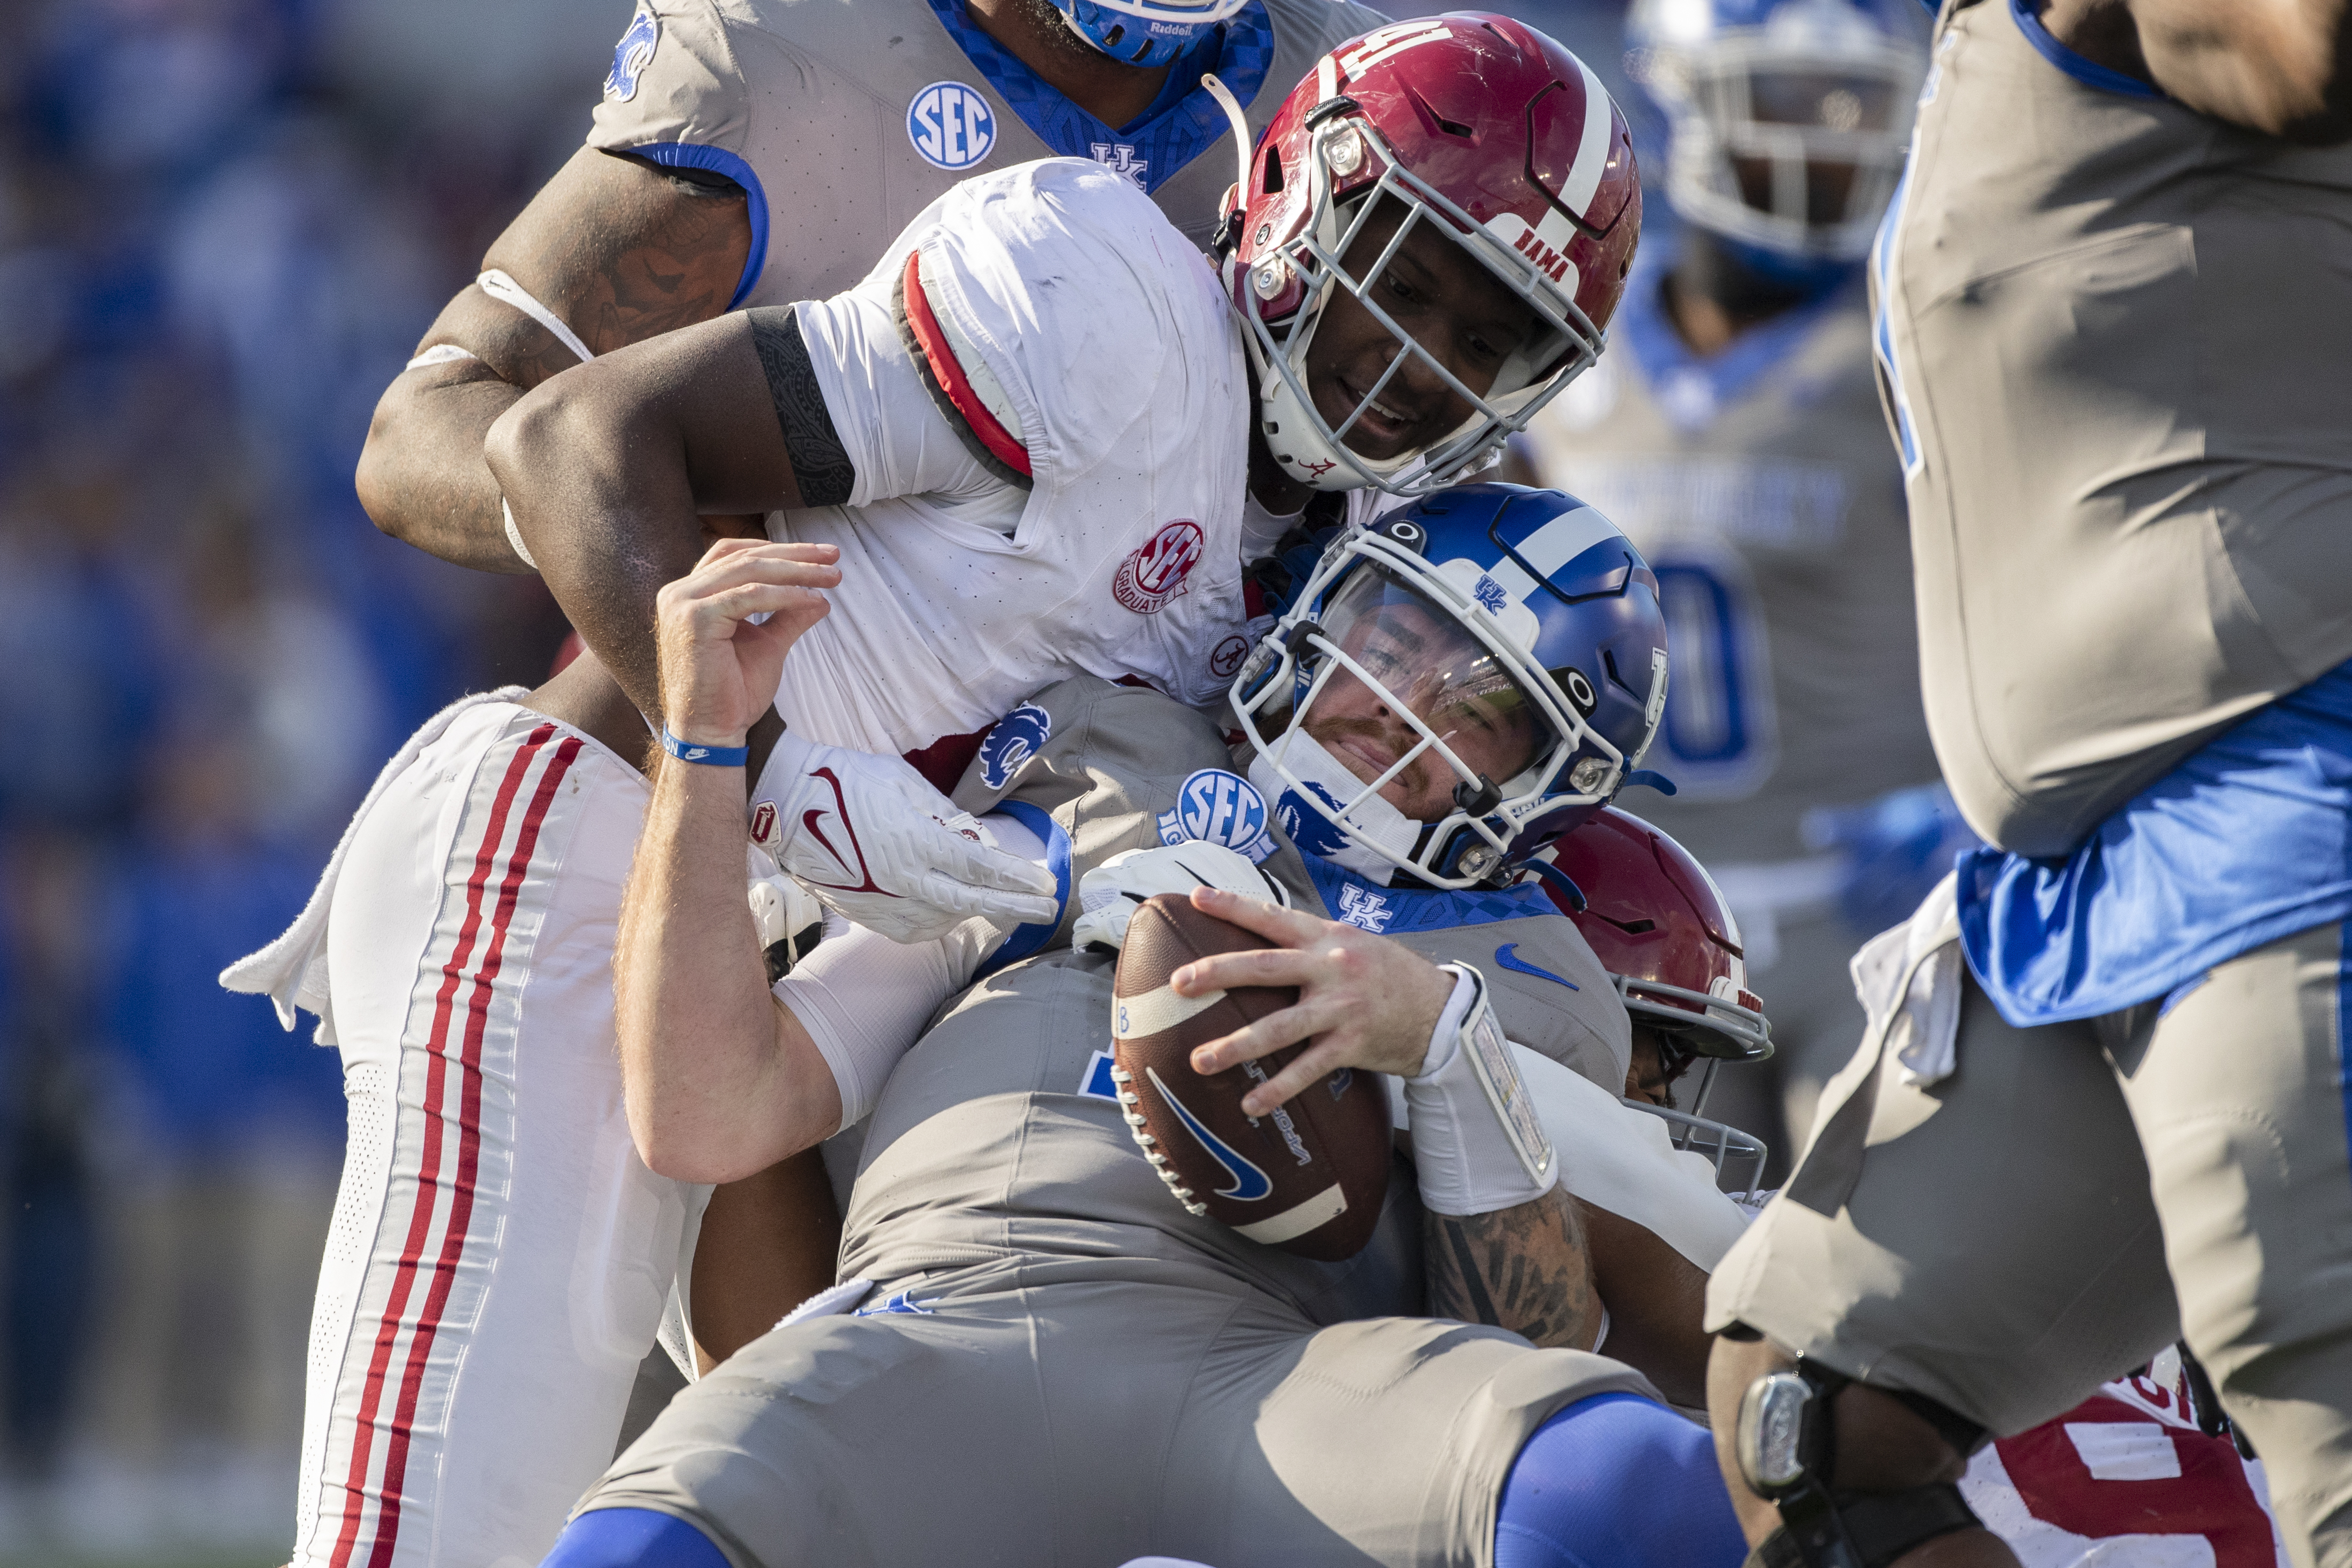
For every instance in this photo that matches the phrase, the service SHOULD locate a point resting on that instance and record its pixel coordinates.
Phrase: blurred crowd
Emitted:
(223, 224)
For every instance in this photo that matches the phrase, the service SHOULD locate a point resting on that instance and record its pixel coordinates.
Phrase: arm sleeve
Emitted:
(885, 423)
(674, 82)
(675, 96)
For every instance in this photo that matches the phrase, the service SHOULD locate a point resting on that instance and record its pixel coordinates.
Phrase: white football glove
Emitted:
(876, 843)
(1109, 895)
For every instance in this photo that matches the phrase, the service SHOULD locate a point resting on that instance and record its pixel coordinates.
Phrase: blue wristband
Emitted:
(709, 756)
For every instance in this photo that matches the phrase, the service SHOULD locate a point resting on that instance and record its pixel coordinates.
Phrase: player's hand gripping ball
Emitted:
(1309, 1176)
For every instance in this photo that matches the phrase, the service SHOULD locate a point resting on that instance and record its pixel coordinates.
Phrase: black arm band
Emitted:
(820, 463)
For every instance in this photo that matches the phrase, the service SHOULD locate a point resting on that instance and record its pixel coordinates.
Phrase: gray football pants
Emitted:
(2075, 1197)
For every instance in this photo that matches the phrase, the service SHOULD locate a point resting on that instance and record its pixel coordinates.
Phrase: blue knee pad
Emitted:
(632, 1538)
(1616, 1481)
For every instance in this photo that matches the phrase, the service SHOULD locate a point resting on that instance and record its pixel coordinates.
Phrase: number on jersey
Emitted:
(1721, 737)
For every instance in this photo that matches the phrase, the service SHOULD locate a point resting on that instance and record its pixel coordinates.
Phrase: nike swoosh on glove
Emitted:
(876, 843)
(1111, 893)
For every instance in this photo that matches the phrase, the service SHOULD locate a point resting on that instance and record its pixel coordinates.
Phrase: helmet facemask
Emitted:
(1559, 343)
(1391, 675)
(1788, 137)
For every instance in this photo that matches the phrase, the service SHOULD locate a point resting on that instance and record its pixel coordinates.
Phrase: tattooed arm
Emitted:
(1525, 1269)
(620, 251)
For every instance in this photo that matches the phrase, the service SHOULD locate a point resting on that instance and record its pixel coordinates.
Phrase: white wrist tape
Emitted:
(1476, 1140)
(514, 535)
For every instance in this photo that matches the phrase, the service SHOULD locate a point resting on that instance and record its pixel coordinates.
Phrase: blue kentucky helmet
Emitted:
(1789, 120)
(1145, 32)
(1495, 652)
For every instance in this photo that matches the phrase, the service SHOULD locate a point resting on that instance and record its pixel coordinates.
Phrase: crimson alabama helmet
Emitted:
(1661, 929)
(1476, 124)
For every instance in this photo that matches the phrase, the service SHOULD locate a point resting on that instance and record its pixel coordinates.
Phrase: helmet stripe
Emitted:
(1592, 150)
(1565, 538)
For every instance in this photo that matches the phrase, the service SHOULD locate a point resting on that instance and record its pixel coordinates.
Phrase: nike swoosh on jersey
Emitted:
(1250, 1184)
(1508, 955)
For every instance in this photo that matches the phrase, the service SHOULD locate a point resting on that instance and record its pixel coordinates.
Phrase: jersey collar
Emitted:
(1182, 122)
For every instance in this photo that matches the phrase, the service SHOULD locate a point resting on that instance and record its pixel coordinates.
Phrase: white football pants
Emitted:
(500, 1258)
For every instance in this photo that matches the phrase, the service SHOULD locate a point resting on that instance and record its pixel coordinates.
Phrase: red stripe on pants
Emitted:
(427, 1200)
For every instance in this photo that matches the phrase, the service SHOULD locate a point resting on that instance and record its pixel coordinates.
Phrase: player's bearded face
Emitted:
(1455, 308)
(1427, 664)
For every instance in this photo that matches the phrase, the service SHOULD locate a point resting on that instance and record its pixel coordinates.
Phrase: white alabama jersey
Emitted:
(2126, 1481)
(1100, 334)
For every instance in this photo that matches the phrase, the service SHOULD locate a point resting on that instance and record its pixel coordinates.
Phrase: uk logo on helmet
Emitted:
(1012, 741)
(1489, 594)
(1155, 573)
(632, 55)
(950, 125)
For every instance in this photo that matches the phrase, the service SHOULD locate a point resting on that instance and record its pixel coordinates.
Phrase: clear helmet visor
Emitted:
(1412, 704)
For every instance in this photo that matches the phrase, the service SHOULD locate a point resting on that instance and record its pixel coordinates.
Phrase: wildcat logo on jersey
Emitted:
(1155, 573)
(1121, 159)
(1362, 907)
(950, 125)
(1011, 741)
(1215, 806)
(1307, 828)
(632, 55)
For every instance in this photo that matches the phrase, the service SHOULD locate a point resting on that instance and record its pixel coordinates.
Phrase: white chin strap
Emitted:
(1373, 821)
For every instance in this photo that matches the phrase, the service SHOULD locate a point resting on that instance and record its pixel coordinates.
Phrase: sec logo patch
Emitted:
(950, 125)
(1214, 806)
(1155, 573)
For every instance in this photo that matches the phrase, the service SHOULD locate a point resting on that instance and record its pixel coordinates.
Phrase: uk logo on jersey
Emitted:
(1155, 573)
(950, 125)
(1121, 159)
(1359, 906)
(1214, 806)
(632, 55)
(1011, 741)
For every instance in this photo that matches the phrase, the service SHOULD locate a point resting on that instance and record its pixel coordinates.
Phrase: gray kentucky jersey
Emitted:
(1759, 484)
(843, 120)
(2115, 334)
(997, 1140)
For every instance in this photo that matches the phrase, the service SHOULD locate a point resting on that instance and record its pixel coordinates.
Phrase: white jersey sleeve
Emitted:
(895, 435)
(1081, 351)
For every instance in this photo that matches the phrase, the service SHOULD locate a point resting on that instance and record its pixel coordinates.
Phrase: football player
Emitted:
(1092, 1364)
(463, 963)
(2101, 1103)
(767, 151)
(1734, 434)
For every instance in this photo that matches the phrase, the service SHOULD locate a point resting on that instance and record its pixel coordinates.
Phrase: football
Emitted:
(1309, 1178)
